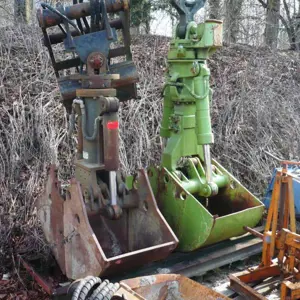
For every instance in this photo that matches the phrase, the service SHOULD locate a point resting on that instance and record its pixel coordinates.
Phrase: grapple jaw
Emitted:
(86, 243)
(200, 221)
(203, 203)
(99, 226)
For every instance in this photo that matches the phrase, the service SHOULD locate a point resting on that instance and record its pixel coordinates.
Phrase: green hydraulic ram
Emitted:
(202, 202)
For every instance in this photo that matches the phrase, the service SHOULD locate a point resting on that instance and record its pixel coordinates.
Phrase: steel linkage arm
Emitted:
(186, 10)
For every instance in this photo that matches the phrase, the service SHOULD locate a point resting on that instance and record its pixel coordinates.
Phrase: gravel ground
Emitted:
(218, 278)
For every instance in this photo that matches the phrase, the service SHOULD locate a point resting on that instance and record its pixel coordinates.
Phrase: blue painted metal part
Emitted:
(295, 172)
(93, 42)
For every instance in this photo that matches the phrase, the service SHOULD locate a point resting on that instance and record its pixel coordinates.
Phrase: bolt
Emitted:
(189, 2)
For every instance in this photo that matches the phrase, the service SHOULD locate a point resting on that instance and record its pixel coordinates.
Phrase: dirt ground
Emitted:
(217, 279)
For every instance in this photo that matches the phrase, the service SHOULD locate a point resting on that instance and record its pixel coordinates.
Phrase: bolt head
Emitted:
(190, 2)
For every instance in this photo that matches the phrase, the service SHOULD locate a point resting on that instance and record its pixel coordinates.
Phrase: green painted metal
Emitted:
(200, 221)
(201, 208)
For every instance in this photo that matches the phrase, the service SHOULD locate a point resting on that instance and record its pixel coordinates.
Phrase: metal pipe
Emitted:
(113, 187)
(57, 38)
(71, 122)
(47, 18)
(60, 15)
(80, 138)
(207, 163)
(96, 123)
(254, 232)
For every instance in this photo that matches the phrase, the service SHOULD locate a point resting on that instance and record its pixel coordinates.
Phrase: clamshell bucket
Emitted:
(171, 286)
(199, 221)
(87, 244)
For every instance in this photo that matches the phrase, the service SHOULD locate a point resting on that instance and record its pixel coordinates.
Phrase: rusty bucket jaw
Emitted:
(89, 244)
(171, 286)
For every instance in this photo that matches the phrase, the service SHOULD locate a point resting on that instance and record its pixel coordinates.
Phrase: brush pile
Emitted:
(256, 113)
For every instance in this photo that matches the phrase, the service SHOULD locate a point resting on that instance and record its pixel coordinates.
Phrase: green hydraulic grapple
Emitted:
(102, 222)
(202, 202)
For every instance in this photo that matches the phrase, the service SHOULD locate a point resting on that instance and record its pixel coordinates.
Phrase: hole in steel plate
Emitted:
(145, 206)
(77, 218)
(166, 178)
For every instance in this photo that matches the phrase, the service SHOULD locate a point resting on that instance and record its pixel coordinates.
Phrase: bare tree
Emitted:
(291, 23)
(233, 9)
(272, 23)
(23, 10)
(214, 9)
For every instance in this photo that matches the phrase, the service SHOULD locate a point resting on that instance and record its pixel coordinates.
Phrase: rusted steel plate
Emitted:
(51, 212)
(93, 245)
(90, 93)
(128, 294)
(256, 274)
(46, 286)
(84, 255)
(177, 287)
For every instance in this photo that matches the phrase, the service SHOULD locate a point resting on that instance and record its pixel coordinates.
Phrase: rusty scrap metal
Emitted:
(155, 287)
(281, 247)
(46, 286)
(98, 226)
(80, 39)
(171, 286)
(88, 244)
(48, 18)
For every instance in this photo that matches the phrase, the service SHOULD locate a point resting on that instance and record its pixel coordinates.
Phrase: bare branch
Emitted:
(264, 4)
(288, 14)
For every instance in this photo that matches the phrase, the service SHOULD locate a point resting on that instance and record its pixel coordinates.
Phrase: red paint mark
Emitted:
(112, 125)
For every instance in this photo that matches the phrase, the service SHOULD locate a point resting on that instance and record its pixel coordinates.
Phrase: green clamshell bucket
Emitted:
(201, 201)
(200, 221)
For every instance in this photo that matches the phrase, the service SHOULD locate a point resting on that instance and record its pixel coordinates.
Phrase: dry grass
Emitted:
(255, 109)
(140, 119)
(33, 131)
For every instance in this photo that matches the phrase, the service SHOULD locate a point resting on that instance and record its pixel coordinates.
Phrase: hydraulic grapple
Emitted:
(202, 202)
(99, 226)
(104, 222)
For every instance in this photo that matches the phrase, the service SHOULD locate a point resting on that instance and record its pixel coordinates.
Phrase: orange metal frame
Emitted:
(279, 240)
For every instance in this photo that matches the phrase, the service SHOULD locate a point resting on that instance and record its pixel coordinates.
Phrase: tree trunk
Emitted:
(272, 23)
(297, 25)
(23, 10)
(233, 10)
(214, 9)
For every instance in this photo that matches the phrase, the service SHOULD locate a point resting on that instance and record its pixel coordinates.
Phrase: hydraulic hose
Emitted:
(93, 288)
(83, 114)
